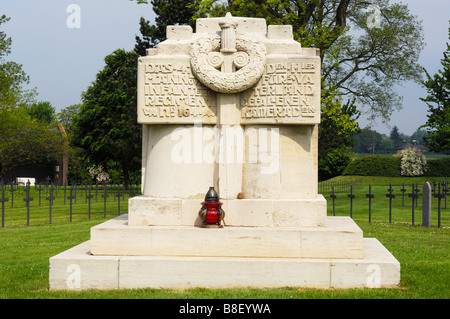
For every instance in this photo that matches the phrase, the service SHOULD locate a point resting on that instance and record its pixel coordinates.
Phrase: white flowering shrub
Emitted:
(413, 162)
(98, 174)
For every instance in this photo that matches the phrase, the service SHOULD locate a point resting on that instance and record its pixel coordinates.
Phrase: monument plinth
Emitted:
(234, 106)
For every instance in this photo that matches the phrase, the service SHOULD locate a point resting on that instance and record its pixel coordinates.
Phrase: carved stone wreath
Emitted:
(250, 58)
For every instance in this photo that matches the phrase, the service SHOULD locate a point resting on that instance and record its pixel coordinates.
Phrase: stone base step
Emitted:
(340, 238)
(77, 269)
(309, 212)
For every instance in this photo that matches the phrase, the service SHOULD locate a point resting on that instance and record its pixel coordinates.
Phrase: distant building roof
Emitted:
(421, 148)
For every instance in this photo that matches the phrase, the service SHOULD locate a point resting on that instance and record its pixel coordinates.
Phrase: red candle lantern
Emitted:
(211, 212)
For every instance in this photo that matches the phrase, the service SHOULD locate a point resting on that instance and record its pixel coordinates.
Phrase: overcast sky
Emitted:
(63, 58)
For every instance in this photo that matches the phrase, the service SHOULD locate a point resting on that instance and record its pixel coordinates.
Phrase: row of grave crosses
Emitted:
(414, 195)
(442, 189)
(51, 191)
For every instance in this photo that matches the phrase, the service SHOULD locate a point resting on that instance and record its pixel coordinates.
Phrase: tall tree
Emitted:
(360, 59)
(168, 12)
(67, 116)
(12, 76)
(41, 111)
(418, 136)
(438, 101)
(106, 126)
(26, 142)
(395, 137)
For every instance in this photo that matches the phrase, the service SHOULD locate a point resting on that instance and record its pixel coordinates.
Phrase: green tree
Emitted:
(418, 136)
(12, 76)
(41, 111)
(24, 141)
(106, 126)
(367, 140)
(438, 101)
(338, 124)
(395, 137)
(168, 12)
(67, 116)
(360, 59)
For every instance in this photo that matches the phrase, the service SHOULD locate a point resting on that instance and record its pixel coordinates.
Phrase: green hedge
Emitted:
(438, 167)
(374, 166)
(390, 166)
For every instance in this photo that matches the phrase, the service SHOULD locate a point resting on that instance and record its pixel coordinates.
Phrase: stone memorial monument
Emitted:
(230, 114)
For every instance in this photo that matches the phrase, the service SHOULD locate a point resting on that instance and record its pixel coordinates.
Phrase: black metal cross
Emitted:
(27, 200)
(12, 190)
(370, 196)
(439, 196)
(132, 193)
(89, 197)
(414, 195)
(75, 192)
(417, 190)
(96, 191)
(39, 189)
(85, 192)
(351, 196)
(65, 190)
(105, 195)
(333, 196)
(403, 190)
(3, 200)
(444, 191)
(71, 197)
(50, 199)
(390, 196)
(118, 195)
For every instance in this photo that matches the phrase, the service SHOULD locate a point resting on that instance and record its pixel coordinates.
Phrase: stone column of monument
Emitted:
(234, 106)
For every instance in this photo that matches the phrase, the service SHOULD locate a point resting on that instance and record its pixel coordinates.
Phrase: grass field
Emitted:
(422, 252)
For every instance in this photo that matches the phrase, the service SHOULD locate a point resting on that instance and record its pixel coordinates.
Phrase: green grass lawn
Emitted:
(422, 252)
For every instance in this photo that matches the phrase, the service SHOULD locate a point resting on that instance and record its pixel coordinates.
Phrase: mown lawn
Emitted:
(423, 252)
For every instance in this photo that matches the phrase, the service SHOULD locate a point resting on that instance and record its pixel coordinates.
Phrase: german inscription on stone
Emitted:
(172, 94)
(286, 93)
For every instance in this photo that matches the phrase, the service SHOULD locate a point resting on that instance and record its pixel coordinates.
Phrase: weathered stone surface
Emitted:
(275, 80)
(340, 238)
(378, 269)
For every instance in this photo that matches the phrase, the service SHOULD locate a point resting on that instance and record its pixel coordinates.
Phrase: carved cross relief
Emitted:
(228, 59)
(230, 63)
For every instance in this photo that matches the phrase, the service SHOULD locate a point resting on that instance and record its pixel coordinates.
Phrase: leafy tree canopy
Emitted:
(168, 12)
(41, 111)
(67, 115)
(360, 59)
(438, 101)
(24, 141)
(12, 77)
(106, 126)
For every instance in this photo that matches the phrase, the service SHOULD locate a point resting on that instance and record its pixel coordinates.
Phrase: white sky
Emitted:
(62, 62)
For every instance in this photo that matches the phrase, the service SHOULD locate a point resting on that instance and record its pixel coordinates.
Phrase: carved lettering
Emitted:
(287, 90)
(171, 91)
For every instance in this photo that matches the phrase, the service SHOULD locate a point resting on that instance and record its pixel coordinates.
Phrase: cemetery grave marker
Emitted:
(426, 204)
(3, 200)
(370, 196)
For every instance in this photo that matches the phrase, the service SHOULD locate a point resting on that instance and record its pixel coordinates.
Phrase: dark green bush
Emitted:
(333, 163)
(438, 167)
(390, 166)
(374, 166)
